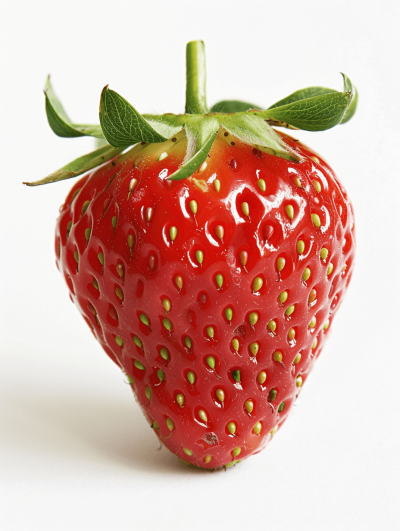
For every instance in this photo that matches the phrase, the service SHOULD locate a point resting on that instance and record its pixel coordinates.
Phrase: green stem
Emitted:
(196, 101)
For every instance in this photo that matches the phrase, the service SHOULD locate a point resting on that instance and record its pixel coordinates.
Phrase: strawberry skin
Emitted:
(214, 294)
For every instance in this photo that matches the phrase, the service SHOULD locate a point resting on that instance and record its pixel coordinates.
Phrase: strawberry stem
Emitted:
(196, 101)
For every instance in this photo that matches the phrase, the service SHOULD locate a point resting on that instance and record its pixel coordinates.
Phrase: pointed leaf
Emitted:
(59, 120)
(302, 94)
(164, 124)
(255, 131)
(201, 133)
(227, 106)
(316, 113)
(351, 109)
(80, 165)
(122, 124)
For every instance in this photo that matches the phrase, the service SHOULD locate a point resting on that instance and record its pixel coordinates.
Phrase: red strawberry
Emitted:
(214, 293)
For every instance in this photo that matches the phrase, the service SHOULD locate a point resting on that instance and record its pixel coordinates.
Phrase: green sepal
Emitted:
(315, 113)
(122, 124)
(59, 120)
(80, 165)
(312, 92)
(228, 106)
(255, 131)
(351, 109)
(201, 132)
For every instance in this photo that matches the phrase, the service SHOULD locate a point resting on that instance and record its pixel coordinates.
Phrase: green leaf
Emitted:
(80, 165)
(165, 125)
(255, 131)
(122, 124)
(201, 133)
(227, 106)
(303, 94)
(315, 113)
(59, 121)
(351, 109)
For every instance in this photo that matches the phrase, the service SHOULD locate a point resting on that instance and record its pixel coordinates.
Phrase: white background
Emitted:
(75, 452)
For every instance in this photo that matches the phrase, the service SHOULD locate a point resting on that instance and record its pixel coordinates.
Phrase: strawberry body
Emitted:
(215, 294)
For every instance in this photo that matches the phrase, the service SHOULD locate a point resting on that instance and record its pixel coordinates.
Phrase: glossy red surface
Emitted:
(129, 264)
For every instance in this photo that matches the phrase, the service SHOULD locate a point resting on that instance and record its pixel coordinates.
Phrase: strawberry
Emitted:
(208, 263)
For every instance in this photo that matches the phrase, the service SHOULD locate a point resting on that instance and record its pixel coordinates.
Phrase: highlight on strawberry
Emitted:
(208, 253)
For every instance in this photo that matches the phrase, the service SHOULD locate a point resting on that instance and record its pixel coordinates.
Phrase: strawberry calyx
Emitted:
(122, 126)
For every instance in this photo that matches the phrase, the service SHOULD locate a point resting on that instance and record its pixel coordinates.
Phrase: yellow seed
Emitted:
(314, 345)
(272, 326)
(261, 185)
(280, 263)
(119, 293)
(312, 323)
(257, 284)
(306, 274)
(317, 186)
(262, 376)
(316, 220)
(173, 232)
(330, 269)
(254, 348)
(193, 206)
(180, 399)
(249, 405)
(219, 279)
(199, 256)
(283, 297)
(100, 256)
(297, 359)
(245, 209)
(257, 428)
(179, 282)
(299, 381)
(129, 239)
(139, 365)
(217, 185)
(219, 231)
(207, 458)
(167, 305)
(253, 318)
(202, 415)
(278, 356)
(297, 182)
(236, 451)
(210, 331)
(188, 452)
(300, 247)
(289, 211)
(219, 393)
(315, 159)
(170, 424)
(291, 334)
(326, 325)
(324, 253)
(163, 156)
(231, 427)
(289, 310)
(235, 344)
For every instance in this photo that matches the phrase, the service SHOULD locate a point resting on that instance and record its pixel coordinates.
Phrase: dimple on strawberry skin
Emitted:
(208, 253)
